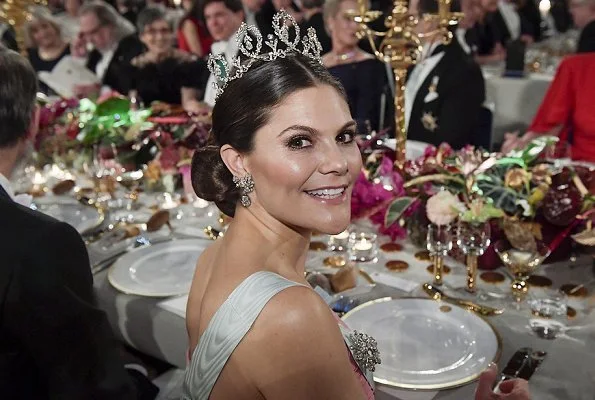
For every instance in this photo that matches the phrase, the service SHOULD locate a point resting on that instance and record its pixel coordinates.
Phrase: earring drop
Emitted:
(246, 185)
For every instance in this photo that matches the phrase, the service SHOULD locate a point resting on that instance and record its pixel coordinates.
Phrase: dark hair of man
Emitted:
(18, 88)
(233, 5)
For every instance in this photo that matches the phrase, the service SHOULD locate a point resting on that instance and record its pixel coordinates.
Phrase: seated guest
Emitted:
(69, 19)
(360, 73)
(567, 109)
(313, 17)
(583, 15)
(54, 341)
(46, 46)
(489, 48)
(7, 37)
(223, 18)
(193, 36)
(115, 44)
(444, 91)
(508, 24)
(163, 73)
(465, 32)
(529, 12)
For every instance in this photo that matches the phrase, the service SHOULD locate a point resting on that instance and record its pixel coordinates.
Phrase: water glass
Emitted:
(548, 308)
(439, 243)
(473, 238)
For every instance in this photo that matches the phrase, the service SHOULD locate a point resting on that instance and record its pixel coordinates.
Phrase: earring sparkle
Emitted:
(246, 185)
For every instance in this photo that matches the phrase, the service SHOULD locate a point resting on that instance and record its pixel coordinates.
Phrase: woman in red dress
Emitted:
(567, 110)
(193, 36)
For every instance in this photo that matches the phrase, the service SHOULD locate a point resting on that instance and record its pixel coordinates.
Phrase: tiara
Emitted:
(250, 44)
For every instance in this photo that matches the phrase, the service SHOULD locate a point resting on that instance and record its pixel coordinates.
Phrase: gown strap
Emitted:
(226, 330)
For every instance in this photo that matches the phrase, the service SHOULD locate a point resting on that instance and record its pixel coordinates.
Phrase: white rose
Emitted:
(443, 208)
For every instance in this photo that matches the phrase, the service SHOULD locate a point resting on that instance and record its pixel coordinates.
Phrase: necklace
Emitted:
(346, 56)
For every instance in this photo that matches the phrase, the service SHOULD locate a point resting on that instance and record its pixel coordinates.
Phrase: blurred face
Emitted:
(343, 28)
(44, 34)
(583, 12)
(222, 23)
(305, 161)
(489, 5)
(187, 4)
(157, 37)
(253, 5)
(470, 8)
(72, 6)
(100, 36)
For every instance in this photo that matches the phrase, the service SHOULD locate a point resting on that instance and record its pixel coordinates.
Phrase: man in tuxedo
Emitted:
(444, 91)
(583, 15)
(223, 19)
(313, 18)
(114, 45)
(54, 342)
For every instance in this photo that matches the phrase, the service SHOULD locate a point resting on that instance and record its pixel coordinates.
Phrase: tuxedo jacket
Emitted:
(54, 342)
(117, 73)
(452, 113)
(500, 29)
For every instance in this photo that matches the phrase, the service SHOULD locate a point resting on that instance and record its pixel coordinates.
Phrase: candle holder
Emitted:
(400, 48)
(363, 247)
(439, 243)
(339, 242)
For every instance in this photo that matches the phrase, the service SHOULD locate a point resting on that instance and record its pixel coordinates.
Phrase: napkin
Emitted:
(176, 305)
(394, 281)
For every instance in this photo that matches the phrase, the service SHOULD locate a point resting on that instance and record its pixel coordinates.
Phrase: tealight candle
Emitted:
(363, 247)
(38, 178)
(339, 241)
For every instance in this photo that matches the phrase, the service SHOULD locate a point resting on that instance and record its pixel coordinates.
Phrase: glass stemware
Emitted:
(439, 243)
(473, 238)
(522, 263)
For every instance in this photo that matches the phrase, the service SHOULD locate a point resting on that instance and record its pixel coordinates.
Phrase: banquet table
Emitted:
(567, 373)
(513, 101)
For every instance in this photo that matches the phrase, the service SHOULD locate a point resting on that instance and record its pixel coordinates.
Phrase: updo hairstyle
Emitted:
(243, 108)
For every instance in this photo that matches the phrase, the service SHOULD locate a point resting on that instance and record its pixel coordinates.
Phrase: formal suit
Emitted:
(116, 74)
(586, 40)
(54, 342)
(501, 31)
(446, 105)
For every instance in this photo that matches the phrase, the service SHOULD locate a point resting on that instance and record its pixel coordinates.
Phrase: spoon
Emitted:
(437, 294)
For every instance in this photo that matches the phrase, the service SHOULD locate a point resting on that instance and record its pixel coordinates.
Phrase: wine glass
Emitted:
(439, 243)
(473, 238)
(522, 263)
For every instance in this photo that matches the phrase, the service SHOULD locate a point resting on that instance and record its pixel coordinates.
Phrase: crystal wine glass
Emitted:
(439, 243)
(473, 238)
(522, 263)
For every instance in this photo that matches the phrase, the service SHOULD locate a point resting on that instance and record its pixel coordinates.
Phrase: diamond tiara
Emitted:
(250, 43)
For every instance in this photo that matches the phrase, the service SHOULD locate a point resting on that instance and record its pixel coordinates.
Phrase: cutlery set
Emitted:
(522, 364)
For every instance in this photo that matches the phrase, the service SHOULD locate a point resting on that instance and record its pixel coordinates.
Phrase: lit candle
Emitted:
(168, 202)
(363, 247)
(544, 7)
(339, 241)
(38, 178)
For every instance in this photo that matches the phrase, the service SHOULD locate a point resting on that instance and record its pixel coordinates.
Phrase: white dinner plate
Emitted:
(426, 344)
(80, 216)
(159, 270)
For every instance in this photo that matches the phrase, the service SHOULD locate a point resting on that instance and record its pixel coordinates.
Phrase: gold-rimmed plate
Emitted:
(424, 345)
(66, 209)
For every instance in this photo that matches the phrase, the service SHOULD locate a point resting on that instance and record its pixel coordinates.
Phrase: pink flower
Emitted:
(443, 208)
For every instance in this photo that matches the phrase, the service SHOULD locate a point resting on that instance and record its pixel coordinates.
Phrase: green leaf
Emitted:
(396, 209)
(488, 211)
(113, 106)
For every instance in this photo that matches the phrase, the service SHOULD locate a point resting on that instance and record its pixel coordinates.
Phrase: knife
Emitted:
(515, 365)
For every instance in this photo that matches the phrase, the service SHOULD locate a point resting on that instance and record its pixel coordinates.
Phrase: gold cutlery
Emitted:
(437, 294)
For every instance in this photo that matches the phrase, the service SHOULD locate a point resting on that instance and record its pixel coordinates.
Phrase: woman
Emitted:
(163, 73)
(566, 110)
(193, 37)
(45, 44)
(362, 76)
(282, 162)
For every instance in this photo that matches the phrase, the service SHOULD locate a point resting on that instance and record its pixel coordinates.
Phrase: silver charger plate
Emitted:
(426, 344)
(82, 217)
(160, 270)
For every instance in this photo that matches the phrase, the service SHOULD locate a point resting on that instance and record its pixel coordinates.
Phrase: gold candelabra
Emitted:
(16, 14)
(400, 48)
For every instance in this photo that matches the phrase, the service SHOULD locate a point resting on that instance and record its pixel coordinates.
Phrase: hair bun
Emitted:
(212, 181)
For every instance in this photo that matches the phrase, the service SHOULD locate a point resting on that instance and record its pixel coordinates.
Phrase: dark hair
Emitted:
(243, 108)
(149, 16)
(233, 5)
(310, 4)
(18, 89)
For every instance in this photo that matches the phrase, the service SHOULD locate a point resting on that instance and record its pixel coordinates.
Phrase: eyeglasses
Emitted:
(92, 31)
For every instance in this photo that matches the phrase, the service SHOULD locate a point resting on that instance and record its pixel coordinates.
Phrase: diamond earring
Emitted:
(246, 185)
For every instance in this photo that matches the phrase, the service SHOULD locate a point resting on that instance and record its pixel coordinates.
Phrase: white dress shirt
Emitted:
(418, 75)
(106, 58)
(460, 34)
(230, 49)
(511, 18)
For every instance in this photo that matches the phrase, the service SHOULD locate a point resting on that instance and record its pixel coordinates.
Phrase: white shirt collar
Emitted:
(106, 58)
(23, 199)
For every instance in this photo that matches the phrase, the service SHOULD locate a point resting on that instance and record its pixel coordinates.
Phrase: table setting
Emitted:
(456, 260)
